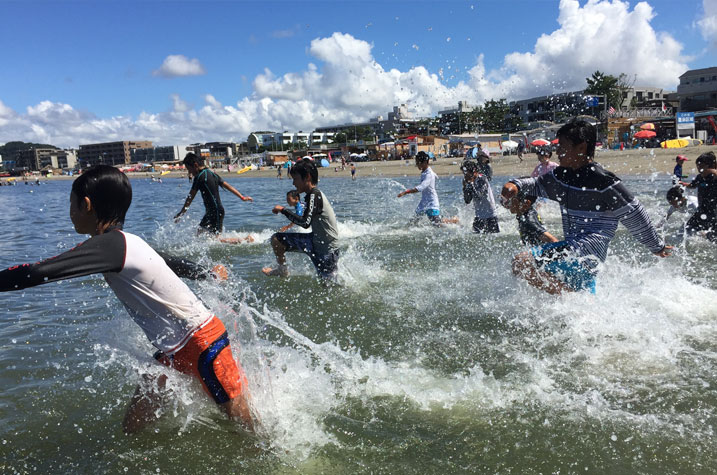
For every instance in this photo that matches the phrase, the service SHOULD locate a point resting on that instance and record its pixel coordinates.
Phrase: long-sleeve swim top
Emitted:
(481, 194)
(146, 282)
(592, 202)
(319, 215)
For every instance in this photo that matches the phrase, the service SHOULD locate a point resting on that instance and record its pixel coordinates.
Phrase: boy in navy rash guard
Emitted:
(207, 183)
(186, 334)
(592, 201)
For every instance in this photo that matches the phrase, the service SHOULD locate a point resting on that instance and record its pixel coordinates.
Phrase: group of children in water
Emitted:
(192, 340)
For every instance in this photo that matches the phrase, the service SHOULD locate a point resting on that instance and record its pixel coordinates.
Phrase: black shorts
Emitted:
(486, 225)
(213, 222)
(326, 265)
(703, 222)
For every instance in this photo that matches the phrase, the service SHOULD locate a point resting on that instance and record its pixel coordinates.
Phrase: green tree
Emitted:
(340, 138)
(494, 116)
(612, 87)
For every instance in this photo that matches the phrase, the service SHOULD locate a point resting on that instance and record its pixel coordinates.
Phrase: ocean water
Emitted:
(428, 358)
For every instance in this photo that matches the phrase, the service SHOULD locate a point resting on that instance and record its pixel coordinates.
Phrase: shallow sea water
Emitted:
(429, 358)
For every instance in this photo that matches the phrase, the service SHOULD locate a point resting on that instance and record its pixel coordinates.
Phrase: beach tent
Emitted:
(324, 162)
(510, 144)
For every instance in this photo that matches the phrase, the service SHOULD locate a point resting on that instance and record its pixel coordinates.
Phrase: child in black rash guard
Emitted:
(530, 227)
(705, 218)
(186, 334)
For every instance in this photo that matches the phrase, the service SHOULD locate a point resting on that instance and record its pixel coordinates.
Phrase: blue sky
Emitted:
(82, 71)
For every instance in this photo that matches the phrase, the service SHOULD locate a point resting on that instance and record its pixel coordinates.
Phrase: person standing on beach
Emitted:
(207, 182)
(593, 201)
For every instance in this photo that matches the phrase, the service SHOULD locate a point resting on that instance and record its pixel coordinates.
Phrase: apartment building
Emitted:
(109, 153)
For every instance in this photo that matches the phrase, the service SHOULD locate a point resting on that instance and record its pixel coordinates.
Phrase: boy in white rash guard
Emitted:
(189, 338)
(592, 201)
(429, 198)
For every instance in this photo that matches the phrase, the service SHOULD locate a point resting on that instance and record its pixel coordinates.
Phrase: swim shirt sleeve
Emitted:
(468, 192)
(185, 268)
(313, 208)
(425, 181)
(636, 220)
(99, 254)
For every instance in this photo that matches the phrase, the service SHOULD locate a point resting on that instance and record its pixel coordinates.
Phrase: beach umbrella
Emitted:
(648, 126)
(644, 134)
(510, 144)
(539, 142)
(554, 141)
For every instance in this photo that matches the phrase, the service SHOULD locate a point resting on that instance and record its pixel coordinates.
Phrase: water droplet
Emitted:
(88, 379)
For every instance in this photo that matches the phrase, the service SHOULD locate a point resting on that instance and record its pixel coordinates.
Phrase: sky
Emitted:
(179, 72)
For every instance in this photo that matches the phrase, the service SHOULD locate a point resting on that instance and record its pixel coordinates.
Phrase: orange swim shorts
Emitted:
(208, 356)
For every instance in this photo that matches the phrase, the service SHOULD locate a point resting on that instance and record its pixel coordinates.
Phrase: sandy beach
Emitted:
(626, 162)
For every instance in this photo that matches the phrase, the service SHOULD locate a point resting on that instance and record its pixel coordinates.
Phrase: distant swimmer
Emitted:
(593, 201)
(207, 182)
(476, 188)
(428, 205)
(679, 203)
(188, 337)
(320, 244)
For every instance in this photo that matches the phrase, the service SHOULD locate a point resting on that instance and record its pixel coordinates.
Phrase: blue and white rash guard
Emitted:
(592, 202)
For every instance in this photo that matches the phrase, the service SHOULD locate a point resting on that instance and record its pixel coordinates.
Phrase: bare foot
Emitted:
(220, 272)
(249, 238)
(281, 271)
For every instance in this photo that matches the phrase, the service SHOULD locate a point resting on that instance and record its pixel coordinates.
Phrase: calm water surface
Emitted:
(430, 358)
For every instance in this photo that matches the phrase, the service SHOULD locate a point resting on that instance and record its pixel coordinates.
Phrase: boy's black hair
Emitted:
(580, 131)
(469, 166)
(192, 159)
(109, 191)
(545, 151)
(422, 157)
(304, 168)
(294, 194)
(522, 196)
(675, 192)
(707, 158)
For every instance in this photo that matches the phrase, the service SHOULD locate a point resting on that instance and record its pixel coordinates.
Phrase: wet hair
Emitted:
(294, 194)
(523, 196)
(192, 159)
(545, 151)
(708, 159)
(305, 168)
(675, 193)
(422, 157)
(109, 191)
(482, 156)
(469, 166)
(579, 131)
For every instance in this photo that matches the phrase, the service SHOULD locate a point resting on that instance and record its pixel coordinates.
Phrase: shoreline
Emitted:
(625, 162)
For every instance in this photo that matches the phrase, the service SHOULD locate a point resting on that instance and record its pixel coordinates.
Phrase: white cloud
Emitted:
(177, 65)
(708, 23)
(346, 83)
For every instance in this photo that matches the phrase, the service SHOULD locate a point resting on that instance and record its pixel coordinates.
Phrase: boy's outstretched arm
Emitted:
(99, 254)
(187, 202)
(191, 270)
(228, 187)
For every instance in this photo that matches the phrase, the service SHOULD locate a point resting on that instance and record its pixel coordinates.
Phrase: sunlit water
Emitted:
(429, 358)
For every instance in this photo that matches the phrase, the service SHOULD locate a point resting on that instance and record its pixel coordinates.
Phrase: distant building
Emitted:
(168, 153)
(697, 90)
(40, 158)
(450, 119)
(266, 139)
(109, 153)
(399, 121)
